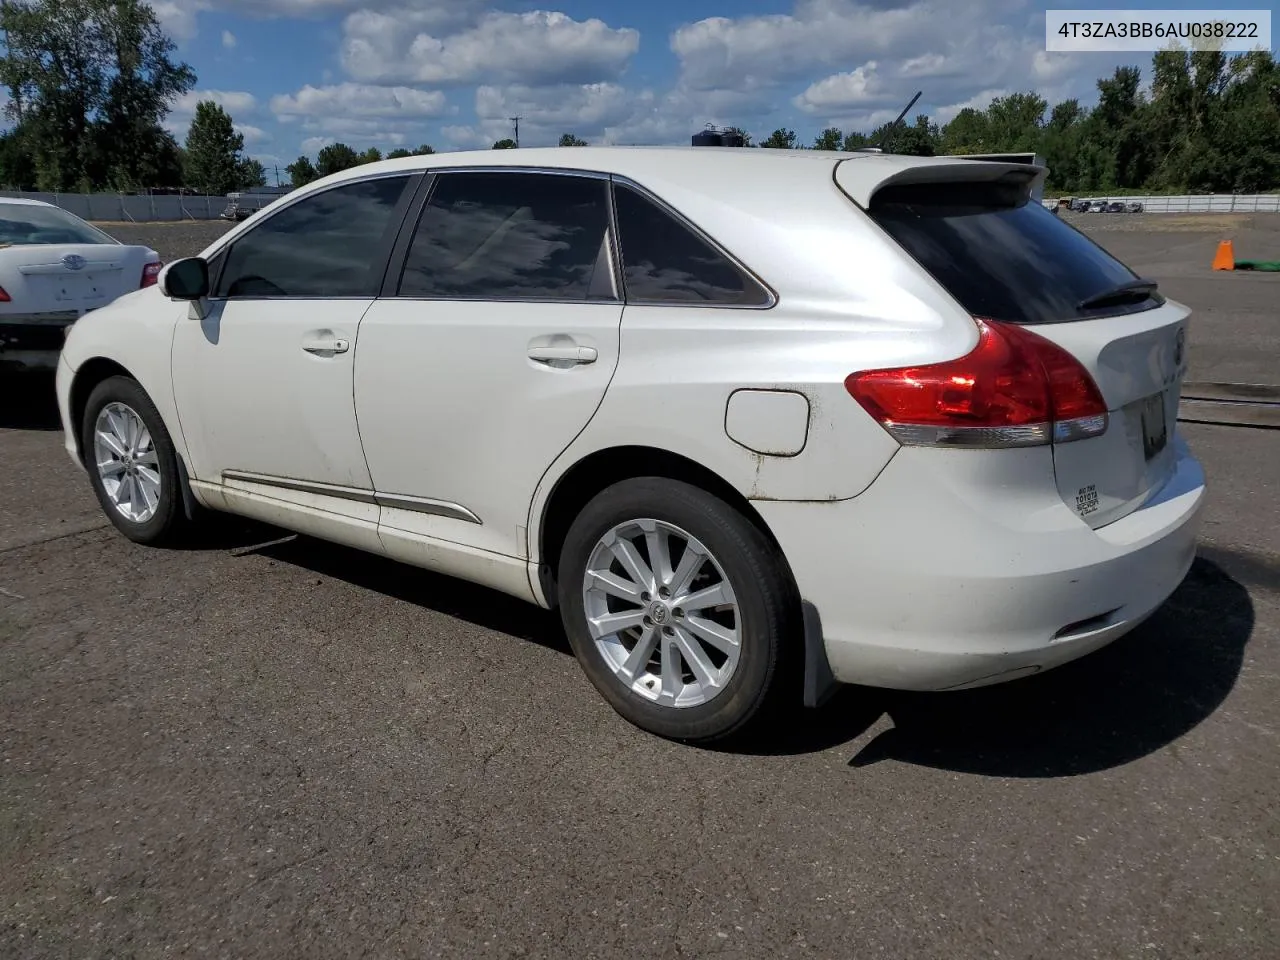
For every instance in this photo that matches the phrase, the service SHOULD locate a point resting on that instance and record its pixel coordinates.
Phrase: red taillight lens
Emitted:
(1014, 389)
(4, 296)
(150, 274)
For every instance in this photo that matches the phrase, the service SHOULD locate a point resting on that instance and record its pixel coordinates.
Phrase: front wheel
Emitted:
(679, 609)
(132, 463)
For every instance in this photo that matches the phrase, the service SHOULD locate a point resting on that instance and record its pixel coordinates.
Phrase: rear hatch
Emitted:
(1004, 257)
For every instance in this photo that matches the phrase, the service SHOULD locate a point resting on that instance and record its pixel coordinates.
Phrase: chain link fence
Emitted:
(144, 208)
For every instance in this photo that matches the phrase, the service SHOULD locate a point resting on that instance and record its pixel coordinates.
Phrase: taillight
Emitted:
(1015, 389)
(4, 296)
(150, 274)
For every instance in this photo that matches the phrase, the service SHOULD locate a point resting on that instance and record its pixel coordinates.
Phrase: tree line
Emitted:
(1208, 123)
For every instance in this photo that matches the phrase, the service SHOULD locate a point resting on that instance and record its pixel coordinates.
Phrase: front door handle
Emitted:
(563, 354)
(326, 346)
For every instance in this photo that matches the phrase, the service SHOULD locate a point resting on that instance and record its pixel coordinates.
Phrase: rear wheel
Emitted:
(678, 608)
(132, 463)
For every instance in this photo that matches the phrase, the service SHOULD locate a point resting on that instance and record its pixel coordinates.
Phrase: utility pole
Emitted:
(516, 121)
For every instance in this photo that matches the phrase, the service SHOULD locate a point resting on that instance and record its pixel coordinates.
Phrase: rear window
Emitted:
(21, 223)
(1004, 257)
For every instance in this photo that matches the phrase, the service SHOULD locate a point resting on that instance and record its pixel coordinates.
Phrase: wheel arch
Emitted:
(603, 468)
(88, 375)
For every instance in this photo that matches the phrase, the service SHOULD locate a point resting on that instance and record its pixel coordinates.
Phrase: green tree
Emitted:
(372, 155)
(335, 158)
(425, 150)
(829, 139)
(505, 144)
(213, 150)
(780, 139)
(301, 172)
(90, 82)
(250, 173)
(855, 141)
(399, 153)
(569, 140)
(17, 165)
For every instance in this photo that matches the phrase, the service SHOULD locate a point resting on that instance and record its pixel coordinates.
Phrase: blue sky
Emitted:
(297, 74)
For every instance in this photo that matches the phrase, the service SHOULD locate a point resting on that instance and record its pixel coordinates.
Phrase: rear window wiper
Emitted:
(1131, 292)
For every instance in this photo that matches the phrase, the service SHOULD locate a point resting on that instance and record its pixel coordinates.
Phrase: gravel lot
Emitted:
(294, 750)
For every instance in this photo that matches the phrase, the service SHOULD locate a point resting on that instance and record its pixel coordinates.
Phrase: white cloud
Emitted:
(178, 17)
(585, 109)
(537, 48)
(252, 134)
(313, 145)
(235, 102)
(842, 91)
(228, 39)
(356, 99)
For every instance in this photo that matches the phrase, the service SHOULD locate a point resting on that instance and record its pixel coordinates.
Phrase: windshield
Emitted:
(22, 223)
(1004, 257)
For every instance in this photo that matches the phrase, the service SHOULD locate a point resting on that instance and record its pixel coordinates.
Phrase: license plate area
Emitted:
(1155, 428)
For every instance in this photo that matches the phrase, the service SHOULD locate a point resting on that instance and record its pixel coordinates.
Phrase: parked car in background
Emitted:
(646, 387)
(55, 268)
(1133, 207)
(1115, 206)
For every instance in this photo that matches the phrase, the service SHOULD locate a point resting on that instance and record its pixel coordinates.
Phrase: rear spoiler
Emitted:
(861, 181)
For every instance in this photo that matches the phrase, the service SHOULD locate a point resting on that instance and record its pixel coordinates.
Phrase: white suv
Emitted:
(754, 420)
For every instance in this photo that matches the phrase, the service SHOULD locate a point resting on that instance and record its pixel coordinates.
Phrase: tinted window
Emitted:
(1004, 257)
(28, 223)
(327, 245)
(663, 261)
(511, 235)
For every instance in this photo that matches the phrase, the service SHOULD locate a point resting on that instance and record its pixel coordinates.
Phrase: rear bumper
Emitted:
(33, 342)
(921, 587)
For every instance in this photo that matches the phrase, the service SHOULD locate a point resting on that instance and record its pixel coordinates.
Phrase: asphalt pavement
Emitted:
(288, 749)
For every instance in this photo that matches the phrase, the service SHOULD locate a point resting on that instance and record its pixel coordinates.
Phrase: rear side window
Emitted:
(664, 261)
(512, 236)
(330, 244)
(1004, 257)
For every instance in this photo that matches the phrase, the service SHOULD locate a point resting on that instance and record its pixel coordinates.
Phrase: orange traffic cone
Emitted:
(1225, 259)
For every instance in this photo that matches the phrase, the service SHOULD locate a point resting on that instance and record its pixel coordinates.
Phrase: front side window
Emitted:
(329, 244)
(664, 261)
(512, 236)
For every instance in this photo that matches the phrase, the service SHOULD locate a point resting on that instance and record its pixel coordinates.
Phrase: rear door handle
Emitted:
(569, 353)
(326, 346)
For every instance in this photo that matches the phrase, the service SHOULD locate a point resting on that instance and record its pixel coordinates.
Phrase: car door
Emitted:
(264, 382)
(490, 353)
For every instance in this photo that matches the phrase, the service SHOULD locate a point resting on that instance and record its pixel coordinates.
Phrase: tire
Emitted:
(764, 617)
(153, 458)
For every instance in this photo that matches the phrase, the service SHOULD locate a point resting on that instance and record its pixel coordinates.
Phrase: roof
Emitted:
(21, 201)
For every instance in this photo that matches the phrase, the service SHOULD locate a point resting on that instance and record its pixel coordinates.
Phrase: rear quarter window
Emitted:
(1005, 257)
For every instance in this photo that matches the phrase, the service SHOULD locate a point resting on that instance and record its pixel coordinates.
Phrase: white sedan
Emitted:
(55, 268)
(755, 421)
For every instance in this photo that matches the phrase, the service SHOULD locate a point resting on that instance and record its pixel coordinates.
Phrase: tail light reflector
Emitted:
(150, 274)
(4, 296)
(1014, 389)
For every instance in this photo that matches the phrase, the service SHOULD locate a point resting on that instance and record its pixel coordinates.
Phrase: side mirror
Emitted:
(186, 279)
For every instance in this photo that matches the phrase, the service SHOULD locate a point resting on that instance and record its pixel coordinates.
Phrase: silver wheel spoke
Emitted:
(631, 562)
(711, 633)
(615, 586)
(690, 564)
(714, 596)
(672, 675)
(150, 491)
(112, 443)
(640, 654)
(658, 542)
(696, 658)
(613, 623)
(110, 468)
